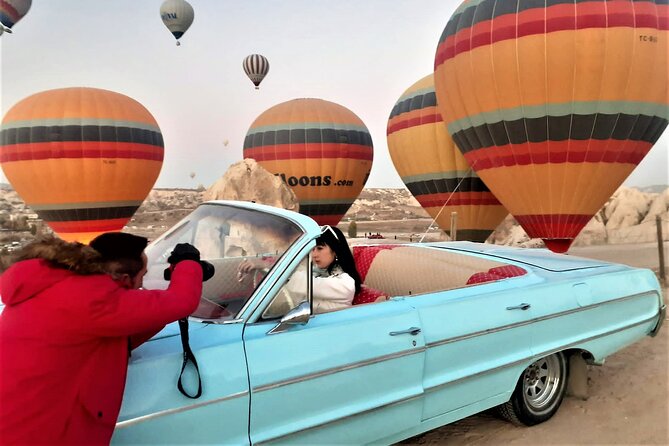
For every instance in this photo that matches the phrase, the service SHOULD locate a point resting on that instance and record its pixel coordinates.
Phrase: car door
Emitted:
(155, 412)
(351, 376)
(478, 341)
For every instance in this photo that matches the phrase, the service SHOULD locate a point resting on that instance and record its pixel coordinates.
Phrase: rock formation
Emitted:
(248, 181)
(627, 217)
(626, 207)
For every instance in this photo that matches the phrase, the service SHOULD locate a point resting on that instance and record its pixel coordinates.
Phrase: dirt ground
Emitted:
(628, 397)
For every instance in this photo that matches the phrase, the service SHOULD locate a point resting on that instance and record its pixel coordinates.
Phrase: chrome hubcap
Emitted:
(541, 381)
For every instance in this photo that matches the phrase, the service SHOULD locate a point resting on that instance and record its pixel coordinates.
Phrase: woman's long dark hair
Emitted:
(344, 257)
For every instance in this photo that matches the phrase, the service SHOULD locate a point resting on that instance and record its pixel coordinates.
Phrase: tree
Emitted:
(352, 229)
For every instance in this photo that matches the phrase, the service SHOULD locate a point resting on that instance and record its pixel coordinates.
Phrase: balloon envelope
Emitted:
(434, 170)
(177, 15)
(554, 104)
(83, 159)
(256, 67)
(320, 149)
(11, 11)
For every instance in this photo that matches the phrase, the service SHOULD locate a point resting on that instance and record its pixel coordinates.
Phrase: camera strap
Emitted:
(188, 357)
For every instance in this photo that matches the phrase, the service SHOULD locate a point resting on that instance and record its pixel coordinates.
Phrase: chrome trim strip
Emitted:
(592, 338)
(162, 413)
(662, 314)
(406, 399)
(231, 321)
(333, 370)
(532, 321)
(214, 321)
(538, 356)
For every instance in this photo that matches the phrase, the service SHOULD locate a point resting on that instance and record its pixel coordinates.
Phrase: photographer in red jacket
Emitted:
(71, 316)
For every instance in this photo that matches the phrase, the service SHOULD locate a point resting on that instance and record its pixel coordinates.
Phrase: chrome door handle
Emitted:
(412, 331)
(519, 307)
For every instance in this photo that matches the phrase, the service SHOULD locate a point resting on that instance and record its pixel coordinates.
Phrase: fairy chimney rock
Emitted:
(249, 181)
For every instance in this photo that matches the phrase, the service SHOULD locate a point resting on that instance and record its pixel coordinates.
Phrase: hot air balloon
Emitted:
(11, 11)
(320, 149)
(83, 159)
(434, 170)
(256, 67)
(554, 104)
(177, 16)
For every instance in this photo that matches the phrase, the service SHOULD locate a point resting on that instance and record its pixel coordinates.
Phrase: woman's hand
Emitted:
(248, 266)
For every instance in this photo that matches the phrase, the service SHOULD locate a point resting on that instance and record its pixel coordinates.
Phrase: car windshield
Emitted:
(225, 236)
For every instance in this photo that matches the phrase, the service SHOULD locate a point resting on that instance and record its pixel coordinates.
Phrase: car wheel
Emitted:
(539, 391)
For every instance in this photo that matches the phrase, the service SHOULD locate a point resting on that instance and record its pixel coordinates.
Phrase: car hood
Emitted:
(538, 258)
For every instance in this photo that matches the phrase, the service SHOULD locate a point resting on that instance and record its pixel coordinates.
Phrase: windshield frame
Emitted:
(305, 226)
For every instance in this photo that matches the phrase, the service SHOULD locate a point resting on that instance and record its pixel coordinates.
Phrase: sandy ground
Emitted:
(628, 397)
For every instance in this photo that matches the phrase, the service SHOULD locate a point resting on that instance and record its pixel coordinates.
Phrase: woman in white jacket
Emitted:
(335, 277)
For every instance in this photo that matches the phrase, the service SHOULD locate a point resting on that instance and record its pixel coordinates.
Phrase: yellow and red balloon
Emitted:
(83, 159)
(11, 11)
(434, 170)
(322, 150)
(554, 104)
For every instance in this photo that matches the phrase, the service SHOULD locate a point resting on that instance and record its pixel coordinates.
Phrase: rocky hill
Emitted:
(628, 216)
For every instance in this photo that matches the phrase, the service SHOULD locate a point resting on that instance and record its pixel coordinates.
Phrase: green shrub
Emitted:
(352, 229)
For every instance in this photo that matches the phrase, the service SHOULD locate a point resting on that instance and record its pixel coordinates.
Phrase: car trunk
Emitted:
(539, 258)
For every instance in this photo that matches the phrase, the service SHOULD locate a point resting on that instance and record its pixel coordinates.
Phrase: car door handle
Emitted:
(519, 307)
(412, 331)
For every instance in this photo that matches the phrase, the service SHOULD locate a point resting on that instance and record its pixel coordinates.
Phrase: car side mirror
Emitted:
(297, 316)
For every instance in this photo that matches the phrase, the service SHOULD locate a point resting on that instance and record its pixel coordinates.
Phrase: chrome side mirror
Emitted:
(297, 316)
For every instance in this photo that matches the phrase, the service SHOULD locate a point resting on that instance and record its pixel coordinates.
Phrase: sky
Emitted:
(361, 54)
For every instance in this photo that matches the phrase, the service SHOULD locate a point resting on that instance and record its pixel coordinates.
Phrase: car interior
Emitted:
(386, 271)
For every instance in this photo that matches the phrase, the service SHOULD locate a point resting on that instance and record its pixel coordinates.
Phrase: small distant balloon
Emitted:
(256, 67)
(225, 143)
(177, 16)
(192, 175)
(11, 11)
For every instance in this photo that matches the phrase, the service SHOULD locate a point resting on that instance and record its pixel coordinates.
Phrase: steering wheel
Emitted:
(258, 275)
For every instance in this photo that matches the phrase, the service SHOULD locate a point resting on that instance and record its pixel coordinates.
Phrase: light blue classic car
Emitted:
(441, 331)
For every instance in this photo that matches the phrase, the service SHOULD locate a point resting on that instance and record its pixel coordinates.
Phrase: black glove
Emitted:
(186, 251)
(183, 251)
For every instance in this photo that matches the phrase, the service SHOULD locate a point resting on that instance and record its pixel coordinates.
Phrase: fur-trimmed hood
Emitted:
(44, 263)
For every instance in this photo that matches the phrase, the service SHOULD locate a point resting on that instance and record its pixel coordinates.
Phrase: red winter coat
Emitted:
(64, 342)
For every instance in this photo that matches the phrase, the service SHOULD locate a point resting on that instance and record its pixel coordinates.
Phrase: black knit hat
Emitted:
(119, 245)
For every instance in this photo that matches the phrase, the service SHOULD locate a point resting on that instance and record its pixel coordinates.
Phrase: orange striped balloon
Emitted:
(83, 159)
(319, 148)
(554, 103)
(434, 170)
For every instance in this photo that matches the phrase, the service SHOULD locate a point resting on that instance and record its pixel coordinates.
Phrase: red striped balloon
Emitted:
(434, 170)
(320, 149)
(554, 103)
(83, 159)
